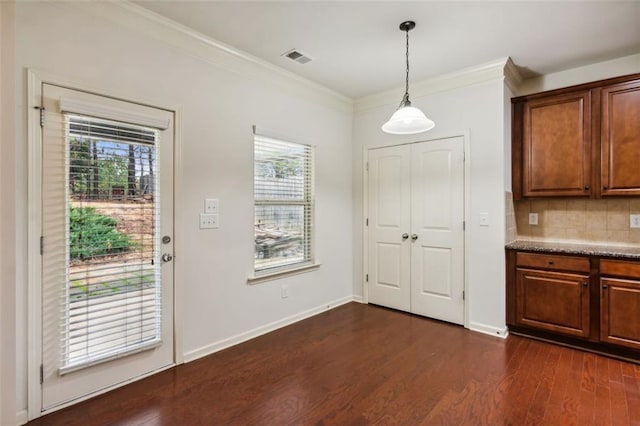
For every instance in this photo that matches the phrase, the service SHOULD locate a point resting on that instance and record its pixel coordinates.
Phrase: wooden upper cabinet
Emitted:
(556, 142)
(620, 139)
(580, 141)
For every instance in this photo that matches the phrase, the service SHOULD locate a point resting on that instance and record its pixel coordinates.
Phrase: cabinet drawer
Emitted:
(620, 268)
(548, 261)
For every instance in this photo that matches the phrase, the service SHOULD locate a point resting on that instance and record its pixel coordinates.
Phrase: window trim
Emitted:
(283, 273)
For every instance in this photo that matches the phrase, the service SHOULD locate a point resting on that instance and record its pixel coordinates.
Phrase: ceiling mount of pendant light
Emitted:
(407, 120)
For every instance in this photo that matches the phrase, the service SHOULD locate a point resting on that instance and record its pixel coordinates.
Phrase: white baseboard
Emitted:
(359, 299)
(22, 417)
(490, 330)
(258, 331)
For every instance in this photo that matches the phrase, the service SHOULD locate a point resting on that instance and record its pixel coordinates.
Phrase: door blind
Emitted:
(100, 255)
(283, 187)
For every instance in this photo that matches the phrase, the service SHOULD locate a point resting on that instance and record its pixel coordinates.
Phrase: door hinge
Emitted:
(366, 278)
(462, 294)
(464, 156)
(464, 225)
(41, 110)
(41, 245)
(366, 167)
(41, 373)
(367, 221)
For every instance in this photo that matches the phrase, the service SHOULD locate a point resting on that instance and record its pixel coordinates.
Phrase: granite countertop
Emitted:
(580, 249)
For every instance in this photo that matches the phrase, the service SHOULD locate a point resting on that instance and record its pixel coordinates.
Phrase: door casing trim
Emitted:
(35, 80)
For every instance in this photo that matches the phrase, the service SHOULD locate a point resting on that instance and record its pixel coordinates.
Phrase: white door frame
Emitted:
(467, 202)
(35, 79)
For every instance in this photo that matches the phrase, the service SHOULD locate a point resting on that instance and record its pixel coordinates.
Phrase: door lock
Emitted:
(167, 257)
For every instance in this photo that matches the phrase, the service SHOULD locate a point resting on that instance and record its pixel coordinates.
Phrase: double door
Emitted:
(416, 228)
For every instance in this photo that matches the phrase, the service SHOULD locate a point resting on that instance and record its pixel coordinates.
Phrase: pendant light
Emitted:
(407, 120)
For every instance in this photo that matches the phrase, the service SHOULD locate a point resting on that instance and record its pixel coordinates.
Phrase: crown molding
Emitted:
(211, 51)
(512, 76)
(465, 77)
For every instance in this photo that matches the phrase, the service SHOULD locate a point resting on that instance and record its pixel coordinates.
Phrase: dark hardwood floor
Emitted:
(361, 364)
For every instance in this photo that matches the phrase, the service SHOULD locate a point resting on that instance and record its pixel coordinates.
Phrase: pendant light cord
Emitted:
(406, 87)
(405, 99)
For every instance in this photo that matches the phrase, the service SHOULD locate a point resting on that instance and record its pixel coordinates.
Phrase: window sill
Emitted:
(269, 276)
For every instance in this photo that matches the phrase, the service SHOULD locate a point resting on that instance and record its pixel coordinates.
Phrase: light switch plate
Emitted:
(634, 220)
(211, 205)
(208, 221)
(484, 219)
(533, 218)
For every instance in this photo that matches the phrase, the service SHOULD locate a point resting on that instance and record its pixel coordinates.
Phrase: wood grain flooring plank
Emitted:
(362, 365)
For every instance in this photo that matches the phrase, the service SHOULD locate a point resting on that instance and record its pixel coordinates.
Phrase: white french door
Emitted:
(416, 235)
(107, 230)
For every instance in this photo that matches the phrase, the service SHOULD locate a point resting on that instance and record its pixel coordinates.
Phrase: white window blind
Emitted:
(101, 246)
(283, 189)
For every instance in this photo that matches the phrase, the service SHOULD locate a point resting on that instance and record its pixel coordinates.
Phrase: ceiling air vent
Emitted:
(297, 56)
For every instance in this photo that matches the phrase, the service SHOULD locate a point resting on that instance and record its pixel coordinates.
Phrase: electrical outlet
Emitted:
(533, 218)
(284, 291)
(211, 205)
(208, 221)
(634, 220)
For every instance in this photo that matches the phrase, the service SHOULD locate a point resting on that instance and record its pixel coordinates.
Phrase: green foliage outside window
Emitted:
(93, 234)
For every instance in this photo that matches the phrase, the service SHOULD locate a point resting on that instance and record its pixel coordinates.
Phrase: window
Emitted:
(283, 192)
(112, 285)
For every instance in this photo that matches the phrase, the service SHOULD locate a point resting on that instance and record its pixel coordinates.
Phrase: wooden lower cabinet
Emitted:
(620, 303)
(553, 301)
(585, 301)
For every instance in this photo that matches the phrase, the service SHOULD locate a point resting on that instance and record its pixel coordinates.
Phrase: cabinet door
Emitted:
(557, 146)
(553, 301)
(620, 312)
(620, 139)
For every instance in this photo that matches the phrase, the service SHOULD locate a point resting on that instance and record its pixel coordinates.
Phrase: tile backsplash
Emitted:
(578, 221)
(511, 233)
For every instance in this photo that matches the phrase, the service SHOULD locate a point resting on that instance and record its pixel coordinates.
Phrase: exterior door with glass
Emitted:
(106, 246)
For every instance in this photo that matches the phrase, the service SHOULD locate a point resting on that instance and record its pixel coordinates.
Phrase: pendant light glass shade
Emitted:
(407, 120)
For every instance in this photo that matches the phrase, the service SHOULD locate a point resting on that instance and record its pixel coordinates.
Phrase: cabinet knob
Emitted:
(585, 284)
(586, 188)
(551, 262)
(605, 187)
(604, 286)
(405, 236)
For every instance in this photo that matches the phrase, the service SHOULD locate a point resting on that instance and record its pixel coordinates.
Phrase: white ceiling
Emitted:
(358, 50)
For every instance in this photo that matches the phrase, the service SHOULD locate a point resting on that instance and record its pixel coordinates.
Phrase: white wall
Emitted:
(478, 109)
(585, 74)
(111, 49)
(7, 217)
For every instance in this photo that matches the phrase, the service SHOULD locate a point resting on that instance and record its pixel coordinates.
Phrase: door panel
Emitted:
(107, 185)
(620, 139)
(436, 272)
(620, 312)
(554, 301)
(437, 215)
(389, 219)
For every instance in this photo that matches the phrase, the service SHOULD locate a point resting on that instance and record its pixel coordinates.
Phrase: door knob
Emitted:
(167, 257)
(405, 236)
(414, 237)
